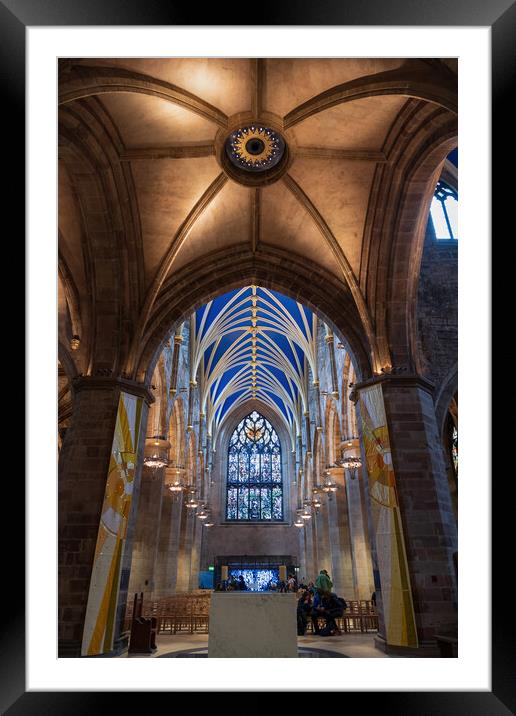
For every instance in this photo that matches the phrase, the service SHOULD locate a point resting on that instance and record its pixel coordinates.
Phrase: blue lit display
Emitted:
(256, 580)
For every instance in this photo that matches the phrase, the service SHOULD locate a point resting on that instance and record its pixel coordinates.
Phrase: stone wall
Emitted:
(437, 309)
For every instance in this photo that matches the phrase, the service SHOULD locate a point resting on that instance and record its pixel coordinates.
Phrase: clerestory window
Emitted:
(444, 212)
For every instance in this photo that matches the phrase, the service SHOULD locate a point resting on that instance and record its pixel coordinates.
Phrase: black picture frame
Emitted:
(500, 16)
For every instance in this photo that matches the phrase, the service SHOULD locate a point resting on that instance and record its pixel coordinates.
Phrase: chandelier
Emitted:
(305, 513)
(177, 485)
(351, 463)
(316, 502)
(350, 459)
(204, 512)
(156, 452)
(329, 485)
(192, 503)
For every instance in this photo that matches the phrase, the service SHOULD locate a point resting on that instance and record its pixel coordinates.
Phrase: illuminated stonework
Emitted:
(255, 148)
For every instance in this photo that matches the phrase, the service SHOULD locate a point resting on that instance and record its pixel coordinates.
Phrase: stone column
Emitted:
(311, 551)
(168, 544)
(340, 541)
(85, 464)
(303, 567)
(360, 548)
(146, 538)
(318, 416)
(308, 433)
(426, 526)
(202, 420)
(333, 365)
(193, 386)
(322, 539)
(178, 342)
(300, 458)
(195, 559)
(185, 550)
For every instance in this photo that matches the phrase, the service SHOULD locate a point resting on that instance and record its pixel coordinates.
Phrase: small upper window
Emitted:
(444, 211)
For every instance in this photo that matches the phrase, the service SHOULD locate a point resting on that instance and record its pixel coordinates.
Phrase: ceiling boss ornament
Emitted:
(255, 148)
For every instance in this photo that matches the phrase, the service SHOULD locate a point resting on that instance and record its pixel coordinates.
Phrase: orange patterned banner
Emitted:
(98, 636)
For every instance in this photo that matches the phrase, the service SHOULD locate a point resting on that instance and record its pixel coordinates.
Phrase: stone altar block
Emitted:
(252, 624)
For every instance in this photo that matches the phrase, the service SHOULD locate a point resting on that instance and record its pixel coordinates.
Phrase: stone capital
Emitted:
(398, 380)
(97, 382)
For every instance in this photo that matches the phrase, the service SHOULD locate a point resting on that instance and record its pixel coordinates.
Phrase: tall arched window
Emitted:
(444, 211)
(254, 484)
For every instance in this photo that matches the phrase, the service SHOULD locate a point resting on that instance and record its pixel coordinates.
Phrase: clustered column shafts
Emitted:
(178, 342)
(317, 391)
(308, 433)
(202, 418)
(331, 350)
(193, 386)
(300, 453)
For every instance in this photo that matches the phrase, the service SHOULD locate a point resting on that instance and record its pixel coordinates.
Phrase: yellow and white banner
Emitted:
(98, 635)
(398, 609)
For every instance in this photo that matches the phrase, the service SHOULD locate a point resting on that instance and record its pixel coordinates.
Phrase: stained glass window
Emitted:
(455, 450)
(444, 212)
(254, 486)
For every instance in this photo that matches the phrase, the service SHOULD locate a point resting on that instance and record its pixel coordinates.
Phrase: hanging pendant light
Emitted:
(192, 503)
(316, 501)
(305, 513)
(177, 485)
(350, 459)
(204, 512)
(156, 452)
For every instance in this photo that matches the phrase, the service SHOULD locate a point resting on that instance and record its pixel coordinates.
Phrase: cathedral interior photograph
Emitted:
(257, 379)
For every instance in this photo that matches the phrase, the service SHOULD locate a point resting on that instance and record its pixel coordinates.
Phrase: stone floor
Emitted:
(347, 645)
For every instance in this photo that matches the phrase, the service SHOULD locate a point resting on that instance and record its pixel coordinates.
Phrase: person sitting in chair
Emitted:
(332, 608)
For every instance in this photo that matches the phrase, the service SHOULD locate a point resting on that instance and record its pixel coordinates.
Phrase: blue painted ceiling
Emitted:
(253, 343)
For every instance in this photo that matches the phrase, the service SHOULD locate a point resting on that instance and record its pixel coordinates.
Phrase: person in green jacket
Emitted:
(323, 582)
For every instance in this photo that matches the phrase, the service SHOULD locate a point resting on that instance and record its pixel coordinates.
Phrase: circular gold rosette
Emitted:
(255, 146)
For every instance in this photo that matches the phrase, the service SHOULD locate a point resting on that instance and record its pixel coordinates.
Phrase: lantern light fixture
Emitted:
(156, 452)
(192, 503)
(350, 459)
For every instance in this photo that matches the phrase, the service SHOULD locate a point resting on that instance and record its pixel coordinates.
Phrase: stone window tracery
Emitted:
(254, 488)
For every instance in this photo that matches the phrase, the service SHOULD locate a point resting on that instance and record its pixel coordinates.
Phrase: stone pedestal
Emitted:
(251, 624)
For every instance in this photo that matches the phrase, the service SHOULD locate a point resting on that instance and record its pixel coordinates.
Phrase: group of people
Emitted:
(232, 585)
(288, 585)
(316, 601)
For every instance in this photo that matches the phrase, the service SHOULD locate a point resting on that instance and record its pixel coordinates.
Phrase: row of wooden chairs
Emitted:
(362, 606)
(350, 623)
(177, 613)
(189, 613)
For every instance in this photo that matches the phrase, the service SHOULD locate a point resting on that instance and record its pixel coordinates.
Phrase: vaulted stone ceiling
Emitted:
(158, 127)
(253, 343)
